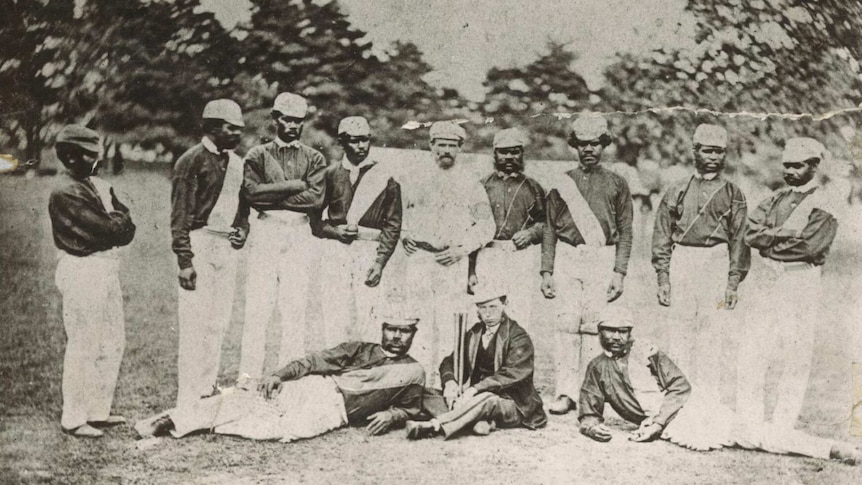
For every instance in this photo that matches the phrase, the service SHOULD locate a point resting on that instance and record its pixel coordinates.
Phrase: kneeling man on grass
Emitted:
(644, 386)
(356, 383)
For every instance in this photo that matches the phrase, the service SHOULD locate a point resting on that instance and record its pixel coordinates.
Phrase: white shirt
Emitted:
(805, 188)
(489, 334)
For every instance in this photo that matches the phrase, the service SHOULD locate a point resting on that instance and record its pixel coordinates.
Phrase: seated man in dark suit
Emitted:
(497, 378)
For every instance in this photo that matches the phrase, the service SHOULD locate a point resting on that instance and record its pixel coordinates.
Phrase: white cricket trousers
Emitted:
(517, 271)
(436, 293)
(95, 336)
(781, 325)
(348, 303)
(705, 423)
(204, 314)
(304, 408)
(582, 275)
(281, 250)
(697, 319)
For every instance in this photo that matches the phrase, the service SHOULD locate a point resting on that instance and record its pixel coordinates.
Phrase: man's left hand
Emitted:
(468, 394)
(380, 422)
(238, 237)
(730, 299)
(372, 278)
(646, 432)
(522, 239)
(449, 256)
(615, 289)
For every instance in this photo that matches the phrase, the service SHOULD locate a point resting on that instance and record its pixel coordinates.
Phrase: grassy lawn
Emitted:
(33, 450)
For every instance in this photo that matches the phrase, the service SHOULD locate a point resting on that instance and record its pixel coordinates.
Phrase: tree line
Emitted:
(140, 71)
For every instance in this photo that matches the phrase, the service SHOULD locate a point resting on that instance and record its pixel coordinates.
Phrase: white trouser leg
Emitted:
(707, 424)
(800, 291)
(348, 302)
(437, 292)
(266, 239)
(366, 300)
(204, 314)
(780, 440)
(337, 302)
(698, 281)
(581, 276)
(294, 270)
(518, 273)
(95, 331)
(755, 348)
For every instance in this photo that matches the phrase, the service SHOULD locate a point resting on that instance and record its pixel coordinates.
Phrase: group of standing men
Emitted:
(459, 236)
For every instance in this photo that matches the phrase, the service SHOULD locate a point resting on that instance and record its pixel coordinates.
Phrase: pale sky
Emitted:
(462, 39)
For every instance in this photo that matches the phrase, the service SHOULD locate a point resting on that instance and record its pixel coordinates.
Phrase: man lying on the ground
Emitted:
(645, 387)
(356, 383)
(497, 374)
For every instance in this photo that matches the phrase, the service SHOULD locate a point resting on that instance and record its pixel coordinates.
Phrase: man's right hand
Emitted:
(346, 233)
(188, 277)
(664, 295)
(548, 287)
(270, 387)
(410, 246)
(450, 394)
(599, 432)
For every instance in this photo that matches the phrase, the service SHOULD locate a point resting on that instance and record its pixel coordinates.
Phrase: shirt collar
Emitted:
(283, 144)
(594, 169)
(491, 330)
(388, 354)
(812, 184)
(506, 176)
(210, 146)
(356, 168)
(707, 176)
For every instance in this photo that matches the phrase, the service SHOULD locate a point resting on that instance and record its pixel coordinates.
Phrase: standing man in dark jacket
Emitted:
(88, 223)
(793, 230)
(518, 205)
(360, 233)
(205, 208)
(283, 182)
(698, 250)
(497, 377)
(589, 210)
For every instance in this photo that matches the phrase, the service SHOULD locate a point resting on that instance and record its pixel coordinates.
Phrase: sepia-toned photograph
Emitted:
(440, 241)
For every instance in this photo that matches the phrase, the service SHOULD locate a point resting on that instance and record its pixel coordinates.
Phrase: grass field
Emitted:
(33, 450)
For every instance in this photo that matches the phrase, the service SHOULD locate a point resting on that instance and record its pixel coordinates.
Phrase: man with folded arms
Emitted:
(378, 386)
(283, 182)
(361, 231)
(645, 387)
(793, 230)
(206, 233)
(89, 223)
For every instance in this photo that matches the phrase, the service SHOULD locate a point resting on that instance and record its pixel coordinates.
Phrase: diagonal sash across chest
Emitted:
(584, 218)
(799, 217)
(370, 186)
(222, 215)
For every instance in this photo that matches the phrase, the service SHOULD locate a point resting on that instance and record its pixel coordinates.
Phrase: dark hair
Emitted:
(605, 139)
